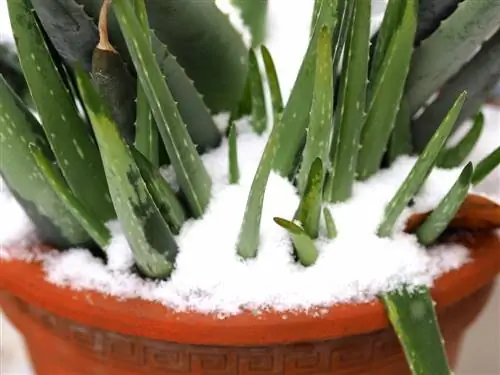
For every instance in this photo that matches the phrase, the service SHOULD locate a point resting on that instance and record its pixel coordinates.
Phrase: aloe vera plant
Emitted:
(149, 87)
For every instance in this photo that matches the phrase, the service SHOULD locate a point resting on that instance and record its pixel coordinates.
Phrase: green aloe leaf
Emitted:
(194, 112)
(72, 32)
(430, 15)
(331, 228)
(350, 112)
(486, 166)
(146, 136)
(273, 82)
(18, 129)
(191, 174)
(400, 142)
(296, 113)
(413, 317)
(387, 90)
(309, 210)
(146, 231)
(305, 248)
(478, 77)
(388, 30)
(234, 171)
(259, 115)
(164, 197)
(420, 170)
(73, 146)
(248, 239)
(444, 53)
(254, 14)
(87, 219)
(446, 210)
(319, 132)
(454, 156)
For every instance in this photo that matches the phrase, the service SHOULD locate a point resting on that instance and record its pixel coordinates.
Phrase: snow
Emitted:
(210, 277)
(234, 15)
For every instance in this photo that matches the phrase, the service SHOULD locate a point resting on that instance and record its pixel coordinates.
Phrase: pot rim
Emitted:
(152, 320)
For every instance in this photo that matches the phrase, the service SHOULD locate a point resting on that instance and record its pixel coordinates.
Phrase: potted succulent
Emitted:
(334, 234)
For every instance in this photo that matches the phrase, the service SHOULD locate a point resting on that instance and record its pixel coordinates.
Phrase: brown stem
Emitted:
(104, 43)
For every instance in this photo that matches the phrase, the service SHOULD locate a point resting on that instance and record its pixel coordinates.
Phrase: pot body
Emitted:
(59, 346)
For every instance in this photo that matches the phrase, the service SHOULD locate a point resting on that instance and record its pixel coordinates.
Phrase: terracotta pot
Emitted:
(80, 332)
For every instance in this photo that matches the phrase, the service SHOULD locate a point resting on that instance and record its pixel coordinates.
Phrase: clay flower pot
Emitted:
(72, 332)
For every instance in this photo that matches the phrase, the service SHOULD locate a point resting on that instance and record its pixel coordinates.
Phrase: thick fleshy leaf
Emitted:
(274, 86)
(146, 135)
(304, 246)
(148, 234)
(319, 132)
(454, 156)
(331, 228)
(430, 15)
(350, 113)
(296, 112)
(442, 55)
(248, 239)
(412, 314)
(478, 76)
(386, 93)
(191, 174)
(309, 210)
(486, 166)
(259, 114)
(420, 171)
(446, 210)
(73, 146)
(163, 195)
(234, 171)
(87, 219)
(55, 225)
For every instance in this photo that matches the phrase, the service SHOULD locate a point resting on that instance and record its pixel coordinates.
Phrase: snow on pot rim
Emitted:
(153, 320)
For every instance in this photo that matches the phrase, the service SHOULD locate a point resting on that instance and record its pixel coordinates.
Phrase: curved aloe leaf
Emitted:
(146, 231)
(234, 171)
(248, 239)
(296, 113)
(87, 219)
(18, 129)
(69, 138)
(446, 210)
(478, 77)
(259, 114)
(319, 132)
(412, 314)
(440, 56)
(309, 211)
(350, 112)
(191, 174)
(331, 227)
(420, 170)
(486, 166)
(274, 86)
(304, 246)
(453, 157)
(254, 14)
(386, 90)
